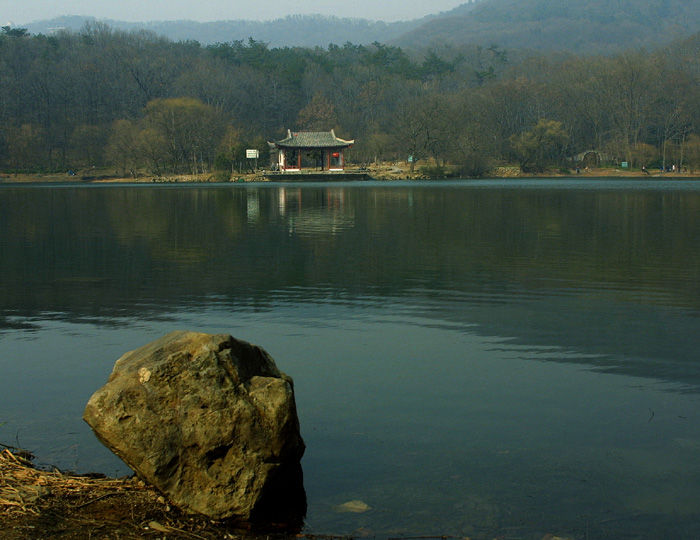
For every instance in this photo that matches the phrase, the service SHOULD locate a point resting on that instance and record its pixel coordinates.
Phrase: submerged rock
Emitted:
(353, 507)
(208, 420)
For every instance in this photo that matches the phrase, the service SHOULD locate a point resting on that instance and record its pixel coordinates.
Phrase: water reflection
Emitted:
(452, 345)
(520, 262)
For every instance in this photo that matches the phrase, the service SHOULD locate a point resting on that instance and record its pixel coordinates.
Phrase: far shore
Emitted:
(379, 173)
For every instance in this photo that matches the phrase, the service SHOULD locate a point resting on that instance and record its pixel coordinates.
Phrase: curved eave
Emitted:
(344, 144)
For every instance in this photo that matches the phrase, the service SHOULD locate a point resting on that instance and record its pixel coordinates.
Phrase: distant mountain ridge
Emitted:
(291, 31)
(587, 27)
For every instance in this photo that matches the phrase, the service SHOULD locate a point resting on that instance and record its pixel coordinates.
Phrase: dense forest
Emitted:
(135, 102)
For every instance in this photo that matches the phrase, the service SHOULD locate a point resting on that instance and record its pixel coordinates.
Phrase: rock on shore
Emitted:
(208, 420)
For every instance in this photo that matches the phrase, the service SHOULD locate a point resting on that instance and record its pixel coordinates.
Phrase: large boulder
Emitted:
(210, 421)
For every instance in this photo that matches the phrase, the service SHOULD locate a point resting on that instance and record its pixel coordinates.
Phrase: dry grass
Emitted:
(23, 488)
(37, 505)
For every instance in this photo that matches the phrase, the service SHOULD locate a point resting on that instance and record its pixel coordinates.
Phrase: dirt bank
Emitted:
(381, 172)
(37, 504)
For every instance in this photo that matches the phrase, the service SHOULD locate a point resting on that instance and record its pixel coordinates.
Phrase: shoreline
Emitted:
(37, 504)
(381, 174)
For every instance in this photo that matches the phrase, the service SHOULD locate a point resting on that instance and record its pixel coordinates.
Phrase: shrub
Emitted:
(434, 171)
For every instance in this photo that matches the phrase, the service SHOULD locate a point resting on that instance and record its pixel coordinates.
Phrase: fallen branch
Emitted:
(97, 499)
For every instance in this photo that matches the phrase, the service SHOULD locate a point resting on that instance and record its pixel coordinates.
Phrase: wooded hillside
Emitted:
(135, 101)
(586, 27)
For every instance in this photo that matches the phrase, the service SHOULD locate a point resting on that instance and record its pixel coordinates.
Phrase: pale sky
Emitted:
(25, 11)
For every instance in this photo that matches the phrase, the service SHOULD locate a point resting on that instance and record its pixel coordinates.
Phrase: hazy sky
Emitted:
(25, 11)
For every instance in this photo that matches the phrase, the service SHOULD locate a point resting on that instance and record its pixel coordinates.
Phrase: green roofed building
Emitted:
(310, 150)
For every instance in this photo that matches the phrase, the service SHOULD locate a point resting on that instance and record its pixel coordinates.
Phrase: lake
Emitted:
(491, 358)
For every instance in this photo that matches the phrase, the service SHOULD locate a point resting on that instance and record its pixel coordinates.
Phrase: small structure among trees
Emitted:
(311, 150)
(592, 158)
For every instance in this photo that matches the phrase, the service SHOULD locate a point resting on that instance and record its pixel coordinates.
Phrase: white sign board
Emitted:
(252, 154)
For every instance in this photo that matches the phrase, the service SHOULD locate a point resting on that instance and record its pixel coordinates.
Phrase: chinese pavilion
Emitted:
(311, 150)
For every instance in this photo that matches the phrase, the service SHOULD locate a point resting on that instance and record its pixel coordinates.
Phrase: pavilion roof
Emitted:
(313, 139)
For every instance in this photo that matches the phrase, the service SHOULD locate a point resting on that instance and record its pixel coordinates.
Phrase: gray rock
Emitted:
(210, 421)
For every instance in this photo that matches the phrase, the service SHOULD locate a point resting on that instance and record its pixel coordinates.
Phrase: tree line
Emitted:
(137, 102)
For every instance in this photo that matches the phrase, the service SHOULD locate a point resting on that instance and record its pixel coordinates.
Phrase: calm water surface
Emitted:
(482, 359)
